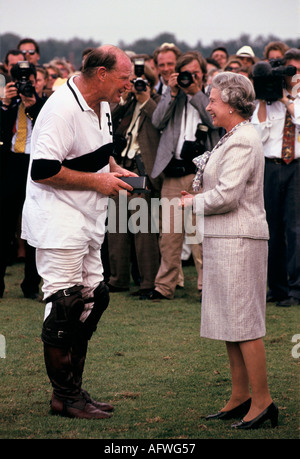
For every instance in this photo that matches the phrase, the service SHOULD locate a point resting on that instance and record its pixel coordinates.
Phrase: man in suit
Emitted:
(281, 186)
(19, 110)
(132, 122)
(165, 57)
(178, 114)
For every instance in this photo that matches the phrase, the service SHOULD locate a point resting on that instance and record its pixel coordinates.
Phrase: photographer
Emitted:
(19, 110)
(178, 114)
(279, 124)
(138, 140)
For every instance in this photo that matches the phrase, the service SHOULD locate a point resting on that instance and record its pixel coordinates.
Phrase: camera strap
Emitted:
(131, 136)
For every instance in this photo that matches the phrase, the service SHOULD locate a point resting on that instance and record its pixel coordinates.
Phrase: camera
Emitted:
(269, 79)
(20, 73)
(185, 79)
(201, 133)
(193, 148)
(139, 83)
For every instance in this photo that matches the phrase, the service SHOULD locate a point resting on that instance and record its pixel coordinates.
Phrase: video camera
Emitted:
(268, 79)
(20, 73)
(139, 83)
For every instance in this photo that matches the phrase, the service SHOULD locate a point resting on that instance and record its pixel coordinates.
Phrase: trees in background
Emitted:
(72, 49)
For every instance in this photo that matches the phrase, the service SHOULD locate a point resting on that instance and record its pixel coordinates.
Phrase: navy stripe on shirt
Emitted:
(90, 162)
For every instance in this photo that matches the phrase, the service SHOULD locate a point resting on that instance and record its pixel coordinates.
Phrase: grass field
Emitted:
(148, 359)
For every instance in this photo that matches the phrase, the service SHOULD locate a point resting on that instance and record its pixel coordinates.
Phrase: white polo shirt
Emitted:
(68, 130)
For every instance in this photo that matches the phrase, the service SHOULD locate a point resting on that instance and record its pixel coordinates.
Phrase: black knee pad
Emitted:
(61, 326)
(101, 301)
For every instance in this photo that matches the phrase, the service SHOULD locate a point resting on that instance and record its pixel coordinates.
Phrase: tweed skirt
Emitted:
(234, 288)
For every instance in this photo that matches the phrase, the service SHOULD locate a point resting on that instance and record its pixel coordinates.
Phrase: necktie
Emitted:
(288, 142)
(22, 130)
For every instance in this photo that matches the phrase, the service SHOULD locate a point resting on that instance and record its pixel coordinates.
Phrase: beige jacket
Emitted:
(232, 198)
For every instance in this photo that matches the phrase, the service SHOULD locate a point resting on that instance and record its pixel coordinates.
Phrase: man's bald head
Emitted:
(108, 56)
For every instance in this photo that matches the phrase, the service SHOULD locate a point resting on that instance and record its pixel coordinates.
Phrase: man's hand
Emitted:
(107, 183)
(110, 183)
(28, 101)
(10, 92)
(173, 84)
(142, 96)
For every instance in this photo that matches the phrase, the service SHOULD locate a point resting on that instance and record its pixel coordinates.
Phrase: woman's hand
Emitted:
(186, 199)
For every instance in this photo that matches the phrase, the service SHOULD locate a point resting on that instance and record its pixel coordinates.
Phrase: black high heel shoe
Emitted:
(236, 412)
(271, 412)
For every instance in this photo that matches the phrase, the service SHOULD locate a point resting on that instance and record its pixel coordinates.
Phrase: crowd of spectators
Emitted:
(149, 122)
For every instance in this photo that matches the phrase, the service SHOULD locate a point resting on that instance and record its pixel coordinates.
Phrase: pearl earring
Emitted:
(230, 111)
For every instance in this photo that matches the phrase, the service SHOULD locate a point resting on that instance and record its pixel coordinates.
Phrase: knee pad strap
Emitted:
(101, 301)
(62, 324)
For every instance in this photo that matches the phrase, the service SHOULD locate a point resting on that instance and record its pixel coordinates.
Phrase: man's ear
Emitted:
(102, 72)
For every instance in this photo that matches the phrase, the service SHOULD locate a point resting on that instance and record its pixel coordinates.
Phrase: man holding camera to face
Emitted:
(187, 131)
(136, 145)
(19, 110)
(277, 118)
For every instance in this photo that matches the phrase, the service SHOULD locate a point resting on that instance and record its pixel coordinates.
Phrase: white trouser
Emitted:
(64, 268)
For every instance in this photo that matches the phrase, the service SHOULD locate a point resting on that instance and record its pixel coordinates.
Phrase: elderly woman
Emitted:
(235, 249)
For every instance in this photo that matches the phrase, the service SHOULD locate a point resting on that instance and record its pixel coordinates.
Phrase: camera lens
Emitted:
(140, 84)
(185, 79)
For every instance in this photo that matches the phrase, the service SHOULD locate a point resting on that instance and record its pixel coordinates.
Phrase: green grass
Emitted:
(148, 359)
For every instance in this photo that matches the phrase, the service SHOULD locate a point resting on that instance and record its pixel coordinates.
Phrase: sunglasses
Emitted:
(54, 76)
(29, 51)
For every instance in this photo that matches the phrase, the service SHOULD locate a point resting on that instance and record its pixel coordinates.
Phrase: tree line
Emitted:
(72, 49)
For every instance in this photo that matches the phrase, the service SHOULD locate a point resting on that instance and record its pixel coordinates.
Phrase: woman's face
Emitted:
(41, 82)
(218, 110)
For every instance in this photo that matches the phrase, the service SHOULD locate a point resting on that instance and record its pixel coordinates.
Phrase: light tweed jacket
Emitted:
(232, 197)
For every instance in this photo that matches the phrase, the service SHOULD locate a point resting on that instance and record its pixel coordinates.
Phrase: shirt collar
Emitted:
(77, 94)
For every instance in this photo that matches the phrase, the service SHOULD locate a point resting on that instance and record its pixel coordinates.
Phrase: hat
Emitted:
(245, 51)
(58, 82)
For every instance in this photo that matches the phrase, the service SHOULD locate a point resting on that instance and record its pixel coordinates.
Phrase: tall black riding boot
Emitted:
(78, 356)
(67, 398)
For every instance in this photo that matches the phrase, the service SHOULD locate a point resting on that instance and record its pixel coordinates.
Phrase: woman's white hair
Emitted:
(237, 91)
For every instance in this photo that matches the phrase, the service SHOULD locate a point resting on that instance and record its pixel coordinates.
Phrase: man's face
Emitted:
(12, 60)
(194, 68)
(247, 61)
(29, 52)
(118, 81)
(275, 54)
(166, 62)
(220, 56)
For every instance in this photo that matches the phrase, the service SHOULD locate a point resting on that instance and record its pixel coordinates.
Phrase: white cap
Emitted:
(245, 51)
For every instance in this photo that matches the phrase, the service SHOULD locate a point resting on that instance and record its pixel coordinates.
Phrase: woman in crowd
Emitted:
(235, 249)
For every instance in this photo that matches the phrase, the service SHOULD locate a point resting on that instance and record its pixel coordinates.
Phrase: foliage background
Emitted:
(72, 49)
